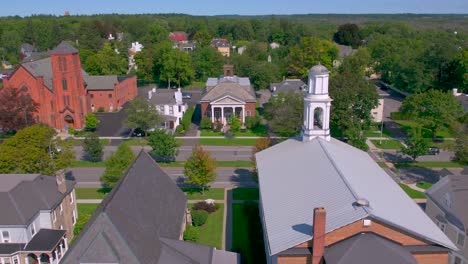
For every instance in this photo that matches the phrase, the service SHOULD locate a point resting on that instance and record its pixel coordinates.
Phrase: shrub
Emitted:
(205, 123)
(218, 126)
(91, 122)
(199, 217)
(71, 130)
(101, 109)
(251, 121)
(210, 208)
(191, 233)
(187, 118)
(180, 130)
(234, 123)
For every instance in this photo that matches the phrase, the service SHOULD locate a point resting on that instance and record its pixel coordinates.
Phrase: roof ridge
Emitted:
(340, 173)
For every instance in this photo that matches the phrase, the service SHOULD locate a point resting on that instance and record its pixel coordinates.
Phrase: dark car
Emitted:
(186, 95)
(433, 150)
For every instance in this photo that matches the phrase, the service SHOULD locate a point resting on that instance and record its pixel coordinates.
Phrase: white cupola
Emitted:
(317, 105)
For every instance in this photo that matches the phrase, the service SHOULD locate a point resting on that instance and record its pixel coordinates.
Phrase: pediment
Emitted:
(228, 99)
(100, 250)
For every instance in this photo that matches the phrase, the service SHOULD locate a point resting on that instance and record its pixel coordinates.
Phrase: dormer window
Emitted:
(5, 236)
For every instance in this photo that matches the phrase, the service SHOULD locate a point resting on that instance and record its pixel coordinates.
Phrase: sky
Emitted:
(237, 7)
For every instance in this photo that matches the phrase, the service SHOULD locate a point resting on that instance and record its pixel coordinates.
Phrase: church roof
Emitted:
(41, 68)
(101, 82)
(64, 48)
(238, 87)
(319, 69)
(296, 176)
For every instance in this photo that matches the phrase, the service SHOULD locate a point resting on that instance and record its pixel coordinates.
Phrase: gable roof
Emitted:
(178, 36)
(334, 175)
(450, 194)
(239, 88)
(22, 196)
(41, 68)
(287, 85)
(100, 82)
(64, 48)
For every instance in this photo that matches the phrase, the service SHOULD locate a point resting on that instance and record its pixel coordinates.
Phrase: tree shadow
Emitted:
(418, 174)
(243, 178)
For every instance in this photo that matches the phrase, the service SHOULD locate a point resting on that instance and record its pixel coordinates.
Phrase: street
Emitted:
(227, 177)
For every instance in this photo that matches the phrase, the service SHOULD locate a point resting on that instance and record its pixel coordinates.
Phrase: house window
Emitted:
(5, 260)
(248, 113)
(33, 229)
(61, 209)
(15, 260)
(461, 240)
(24, 89)
(171, 110)
(54, 216)
(180, 108)
(74, 217)
(5, 236)
(66, 100)
(64, 84)
(208, 113)
(91, 95)
(109, 95)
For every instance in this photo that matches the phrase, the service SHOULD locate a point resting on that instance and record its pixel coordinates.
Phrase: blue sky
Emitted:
(241, 7)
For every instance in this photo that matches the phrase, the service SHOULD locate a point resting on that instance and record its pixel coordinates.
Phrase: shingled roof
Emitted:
(237, 87)
(64, 48)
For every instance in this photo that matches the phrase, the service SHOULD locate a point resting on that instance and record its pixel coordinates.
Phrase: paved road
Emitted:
(218, 152)
(227, 177)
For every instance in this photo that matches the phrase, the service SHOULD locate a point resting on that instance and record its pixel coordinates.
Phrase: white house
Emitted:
(170, 105)
(377, 113)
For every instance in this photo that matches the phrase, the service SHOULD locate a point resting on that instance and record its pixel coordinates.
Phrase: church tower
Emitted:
(317, 105)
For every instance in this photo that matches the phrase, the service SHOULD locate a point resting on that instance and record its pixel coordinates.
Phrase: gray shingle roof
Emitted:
(368, 248)
(101, 82)
(295, 177)
(45, 240)
(41, 68)
(237, 87)
(450, 194)
(64, 48)
(287, 85)
(23, 196)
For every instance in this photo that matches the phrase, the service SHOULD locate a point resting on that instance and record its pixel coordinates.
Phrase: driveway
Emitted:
(111, 124)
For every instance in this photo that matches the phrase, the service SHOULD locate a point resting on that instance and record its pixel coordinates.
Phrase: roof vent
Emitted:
(362, 202)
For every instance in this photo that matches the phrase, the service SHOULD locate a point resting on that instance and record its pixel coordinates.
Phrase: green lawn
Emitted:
(210, 133)
(424, 185)
(387, 144)
(247, 236)
(227, 141)
(212, 193)
(382, 164)
(443, 144)
(258, 131)
(408, 125)
(136, 141)
(195, 85)
(430, 164)
(211, 233)
(91, 193)
(245, 194)
(86, 163)
(412, 193)
(219, 163)
(79, 142)
(85, 211)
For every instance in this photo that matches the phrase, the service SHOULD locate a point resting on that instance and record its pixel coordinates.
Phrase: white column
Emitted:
(66, 243)
(55, 255)
(61, 250)
(222, 115)
(233, 111)
(243, 114)
(39, 259)
(212, 114)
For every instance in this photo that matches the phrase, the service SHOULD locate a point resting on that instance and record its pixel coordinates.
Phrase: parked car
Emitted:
(433, 150)
(186, 95)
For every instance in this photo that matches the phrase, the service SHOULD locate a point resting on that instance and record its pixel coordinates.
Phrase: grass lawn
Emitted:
(247, 236)
(211, 233)
(212, 193)
(227, 141)
(195, 85)
(227, 163)
(136, 141)
(430, 164)
(424, 185)
(91, 193)
(444, 144)
(258, 131)
(86, 163)
(85, 211)
(387, 144)
(407, 125)
(210, 133)
(245, 194)
(382, 165)
(412, 193)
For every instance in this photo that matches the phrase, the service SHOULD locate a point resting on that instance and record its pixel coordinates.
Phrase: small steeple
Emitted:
(317, 104)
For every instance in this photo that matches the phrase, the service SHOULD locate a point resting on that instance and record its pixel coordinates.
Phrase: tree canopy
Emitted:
(141, 114)
(285, 113)
(200, 168)
(17, 109)
(117, 164)
(348, 34)
(164, 145)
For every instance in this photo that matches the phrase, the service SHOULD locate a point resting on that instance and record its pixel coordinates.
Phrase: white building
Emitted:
(377, 113)
(170, 104)
(136, 47)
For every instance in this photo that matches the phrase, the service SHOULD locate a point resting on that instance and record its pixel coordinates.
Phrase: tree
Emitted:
(164, 145)
(141, 114)
(206, 62)
(285, 113)
(234, 123)
(91, 122)
(461, 142)
(93, 146)
(206, 123)
(348, 34)
(200, 168)
(434, 109)
(17, 109)
(35, 150)
(106, 62)
(203, 38)
(415, 144)
(173, 65)
(117, 164)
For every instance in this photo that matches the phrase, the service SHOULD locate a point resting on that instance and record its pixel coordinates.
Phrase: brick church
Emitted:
(65, 92)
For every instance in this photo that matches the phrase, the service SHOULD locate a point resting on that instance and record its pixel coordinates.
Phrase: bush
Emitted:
(251, 121)
(234, 123)
(210, 208)
(187, 118)
(191, 233)
(199, 217)
(205, 123)
(101, 109)
(218, 126)
(71, 130)
(91, 122)
(180, 130)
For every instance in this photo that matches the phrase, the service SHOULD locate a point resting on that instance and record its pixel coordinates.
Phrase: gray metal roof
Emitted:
(23, 196)
(450, 194)
(239, 87)
(41, 68)
(100, 82)
(319, 69)
(295, 177)
(64, 48)
(368, 248)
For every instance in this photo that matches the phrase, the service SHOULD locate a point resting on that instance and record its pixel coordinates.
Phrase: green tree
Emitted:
(461, 142)
(142, 114)
(200, 168)
(203, 38)
(91, 122)
(415, 144)
(116, 165)
(17, 109)
(285, 113)
(348, 34)
(172, 65)
(93, 147)
(434, 109)
(206, 62)
(357, 63)
(206, 123)
(164, 145)
(106, 62)
(234, 123)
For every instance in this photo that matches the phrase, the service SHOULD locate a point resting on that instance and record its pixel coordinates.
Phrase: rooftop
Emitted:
(63, 48)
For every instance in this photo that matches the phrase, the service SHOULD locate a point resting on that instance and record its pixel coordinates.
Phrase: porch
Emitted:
(48, 246)
(222, 113)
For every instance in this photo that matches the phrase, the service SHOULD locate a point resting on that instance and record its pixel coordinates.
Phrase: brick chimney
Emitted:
(60, 179)
(318, 239)
(228, 70)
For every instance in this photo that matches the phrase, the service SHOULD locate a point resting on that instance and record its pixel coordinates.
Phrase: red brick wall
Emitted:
(122, 93)
(100, 98)
(204, 106)
(250, 107)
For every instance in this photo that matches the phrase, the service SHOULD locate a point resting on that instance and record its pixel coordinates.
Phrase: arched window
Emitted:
(318, 118)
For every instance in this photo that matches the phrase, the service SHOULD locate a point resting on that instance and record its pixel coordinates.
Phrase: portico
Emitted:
(222, 113)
